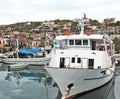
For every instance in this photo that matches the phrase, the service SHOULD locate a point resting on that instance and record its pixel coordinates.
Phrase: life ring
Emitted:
(88, 32)
(67, 32)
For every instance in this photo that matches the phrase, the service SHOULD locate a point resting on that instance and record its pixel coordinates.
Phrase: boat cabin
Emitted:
(82, 51)
(93, 42)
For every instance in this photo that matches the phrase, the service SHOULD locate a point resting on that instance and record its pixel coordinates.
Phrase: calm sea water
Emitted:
(35, 83)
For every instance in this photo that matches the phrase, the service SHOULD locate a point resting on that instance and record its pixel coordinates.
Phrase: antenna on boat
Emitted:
(81, 24)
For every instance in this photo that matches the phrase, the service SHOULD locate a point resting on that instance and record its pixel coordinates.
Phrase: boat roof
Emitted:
(93, 36)
(30, 51)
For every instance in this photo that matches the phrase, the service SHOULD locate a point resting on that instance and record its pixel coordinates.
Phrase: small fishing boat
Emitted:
(31, 56)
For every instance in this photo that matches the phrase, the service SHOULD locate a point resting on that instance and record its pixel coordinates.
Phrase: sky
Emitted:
(14, 11)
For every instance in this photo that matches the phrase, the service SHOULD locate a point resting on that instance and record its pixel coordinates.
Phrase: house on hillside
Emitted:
(67, 25)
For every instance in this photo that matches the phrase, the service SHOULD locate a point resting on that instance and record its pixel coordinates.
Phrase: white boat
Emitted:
(31, 56)
(30, 59)
(81, 62)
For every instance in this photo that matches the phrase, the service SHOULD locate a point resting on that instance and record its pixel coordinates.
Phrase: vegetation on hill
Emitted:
(116, 41)
(33, 26)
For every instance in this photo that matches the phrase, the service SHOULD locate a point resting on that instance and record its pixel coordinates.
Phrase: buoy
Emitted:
(107, 72)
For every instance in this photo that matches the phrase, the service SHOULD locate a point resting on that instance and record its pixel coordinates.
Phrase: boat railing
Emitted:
(72, 47)
(97, 47)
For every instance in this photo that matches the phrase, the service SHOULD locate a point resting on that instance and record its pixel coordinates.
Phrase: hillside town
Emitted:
(40, 34)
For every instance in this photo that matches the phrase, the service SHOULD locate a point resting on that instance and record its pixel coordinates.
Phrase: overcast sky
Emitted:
(13, 11)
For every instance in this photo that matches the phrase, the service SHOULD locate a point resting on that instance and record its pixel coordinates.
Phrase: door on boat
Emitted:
(91, 64)
(67, 62)
(64, 62)
(84, 63)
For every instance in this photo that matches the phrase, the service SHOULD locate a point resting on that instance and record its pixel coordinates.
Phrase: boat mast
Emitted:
(17, 47)
(81, 24)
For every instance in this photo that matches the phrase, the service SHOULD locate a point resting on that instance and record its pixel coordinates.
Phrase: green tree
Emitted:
(116, 41)
(117, 23)
(94, 22)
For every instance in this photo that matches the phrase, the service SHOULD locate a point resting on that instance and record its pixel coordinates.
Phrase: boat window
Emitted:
(77, 42)
(79, 60)
(71, 42)
(56, 44)
(73, 60)
(85, 42)
(109, 47)
(100, 45)
(91, 63)
(102, 48)
(93, 45)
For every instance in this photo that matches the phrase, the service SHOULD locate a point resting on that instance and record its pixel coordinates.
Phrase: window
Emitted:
(108, 47)
(93, 45)
(85, 42)
(79, 60)
(77, 42)
(73, 60)
(91, 64)
(71, 42)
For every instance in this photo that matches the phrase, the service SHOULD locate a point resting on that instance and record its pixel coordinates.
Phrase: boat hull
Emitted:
(72, 81)
(30, 61)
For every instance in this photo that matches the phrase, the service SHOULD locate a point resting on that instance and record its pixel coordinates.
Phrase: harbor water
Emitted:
(34, 82)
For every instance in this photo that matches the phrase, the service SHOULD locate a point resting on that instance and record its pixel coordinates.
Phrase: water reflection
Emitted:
(26, 83)
(34, 82)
